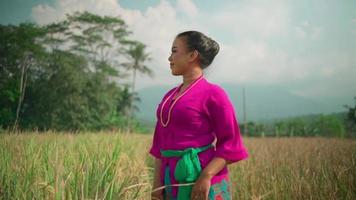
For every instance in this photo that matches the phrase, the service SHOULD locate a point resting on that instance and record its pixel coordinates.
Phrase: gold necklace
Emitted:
(170, 108)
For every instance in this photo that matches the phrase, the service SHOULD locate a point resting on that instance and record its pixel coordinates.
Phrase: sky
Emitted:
(305, 46)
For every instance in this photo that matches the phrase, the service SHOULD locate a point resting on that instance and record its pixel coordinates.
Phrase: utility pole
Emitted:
(244, 109)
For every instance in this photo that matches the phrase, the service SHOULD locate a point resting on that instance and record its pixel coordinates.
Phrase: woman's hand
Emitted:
(202, 185)
(201, 188)
(157, 195)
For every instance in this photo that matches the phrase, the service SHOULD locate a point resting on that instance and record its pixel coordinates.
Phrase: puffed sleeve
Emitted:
(221, 112)
(155, 147)
(156, 142)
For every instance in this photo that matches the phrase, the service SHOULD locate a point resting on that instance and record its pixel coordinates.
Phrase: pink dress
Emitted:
(204, 113)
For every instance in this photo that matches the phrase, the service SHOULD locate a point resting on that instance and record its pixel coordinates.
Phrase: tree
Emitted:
(20, 51)
(329, 126)
(101, 39)
(62, 75)
(350, 119)
(137, 57)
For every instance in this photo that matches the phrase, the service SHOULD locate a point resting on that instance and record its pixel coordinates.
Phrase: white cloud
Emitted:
(306, 30)
(354, 24)
(187, 7)
(247, 56)
(258, 19)
(44, 13)
(41, 14)
(253, 61)
(330, 75)
(327, 71)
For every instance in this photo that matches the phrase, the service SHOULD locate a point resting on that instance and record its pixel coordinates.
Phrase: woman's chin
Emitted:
(175, 74)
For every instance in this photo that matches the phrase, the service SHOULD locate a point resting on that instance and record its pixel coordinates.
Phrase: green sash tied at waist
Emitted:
(188, 168)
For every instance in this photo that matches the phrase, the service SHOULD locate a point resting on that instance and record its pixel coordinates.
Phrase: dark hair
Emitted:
(207, 47)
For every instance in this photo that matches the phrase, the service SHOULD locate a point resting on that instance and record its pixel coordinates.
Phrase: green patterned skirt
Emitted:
(218, 191)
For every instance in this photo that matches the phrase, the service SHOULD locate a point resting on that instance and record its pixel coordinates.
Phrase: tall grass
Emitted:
(296, 168)
(65, 166)
(117, 166)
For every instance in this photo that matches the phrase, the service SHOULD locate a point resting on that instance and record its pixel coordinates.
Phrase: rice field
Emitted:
(109, 165)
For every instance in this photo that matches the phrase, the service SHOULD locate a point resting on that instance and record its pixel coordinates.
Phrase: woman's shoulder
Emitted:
(217, 94)
(215, 89)
(169, 92)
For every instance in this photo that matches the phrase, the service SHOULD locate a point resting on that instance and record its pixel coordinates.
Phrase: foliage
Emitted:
(57, 165)
(322, 125)
(65, 75)
(350, 119)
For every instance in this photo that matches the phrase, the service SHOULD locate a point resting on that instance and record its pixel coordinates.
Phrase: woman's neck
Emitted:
(187, 80)
(190, 77)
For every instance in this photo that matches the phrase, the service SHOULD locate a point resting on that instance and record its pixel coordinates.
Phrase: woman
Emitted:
(190, 119)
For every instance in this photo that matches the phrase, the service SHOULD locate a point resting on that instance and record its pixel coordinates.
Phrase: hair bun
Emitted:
(207, 47)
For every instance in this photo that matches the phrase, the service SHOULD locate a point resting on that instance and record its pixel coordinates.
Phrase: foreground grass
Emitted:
(118, 166)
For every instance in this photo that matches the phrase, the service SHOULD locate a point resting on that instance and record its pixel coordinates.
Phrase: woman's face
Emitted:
(180, 59)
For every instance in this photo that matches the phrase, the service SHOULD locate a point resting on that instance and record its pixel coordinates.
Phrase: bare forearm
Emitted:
(157, 194)
(157, 177)
(214, 166)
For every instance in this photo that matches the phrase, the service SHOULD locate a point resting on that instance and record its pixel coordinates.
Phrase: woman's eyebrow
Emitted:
(174, 47)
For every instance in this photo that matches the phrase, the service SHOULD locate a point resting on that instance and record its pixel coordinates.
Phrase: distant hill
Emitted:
(263, 103)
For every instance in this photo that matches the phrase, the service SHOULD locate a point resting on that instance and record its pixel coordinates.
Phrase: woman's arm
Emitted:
(214, 166)
(157, 179)
(202, 185)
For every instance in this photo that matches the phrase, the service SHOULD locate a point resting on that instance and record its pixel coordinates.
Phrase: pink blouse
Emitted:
(204, 113)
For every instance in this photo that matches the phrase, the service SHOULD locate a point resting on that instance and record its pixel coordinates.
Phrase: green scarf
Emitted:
(188, 168)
